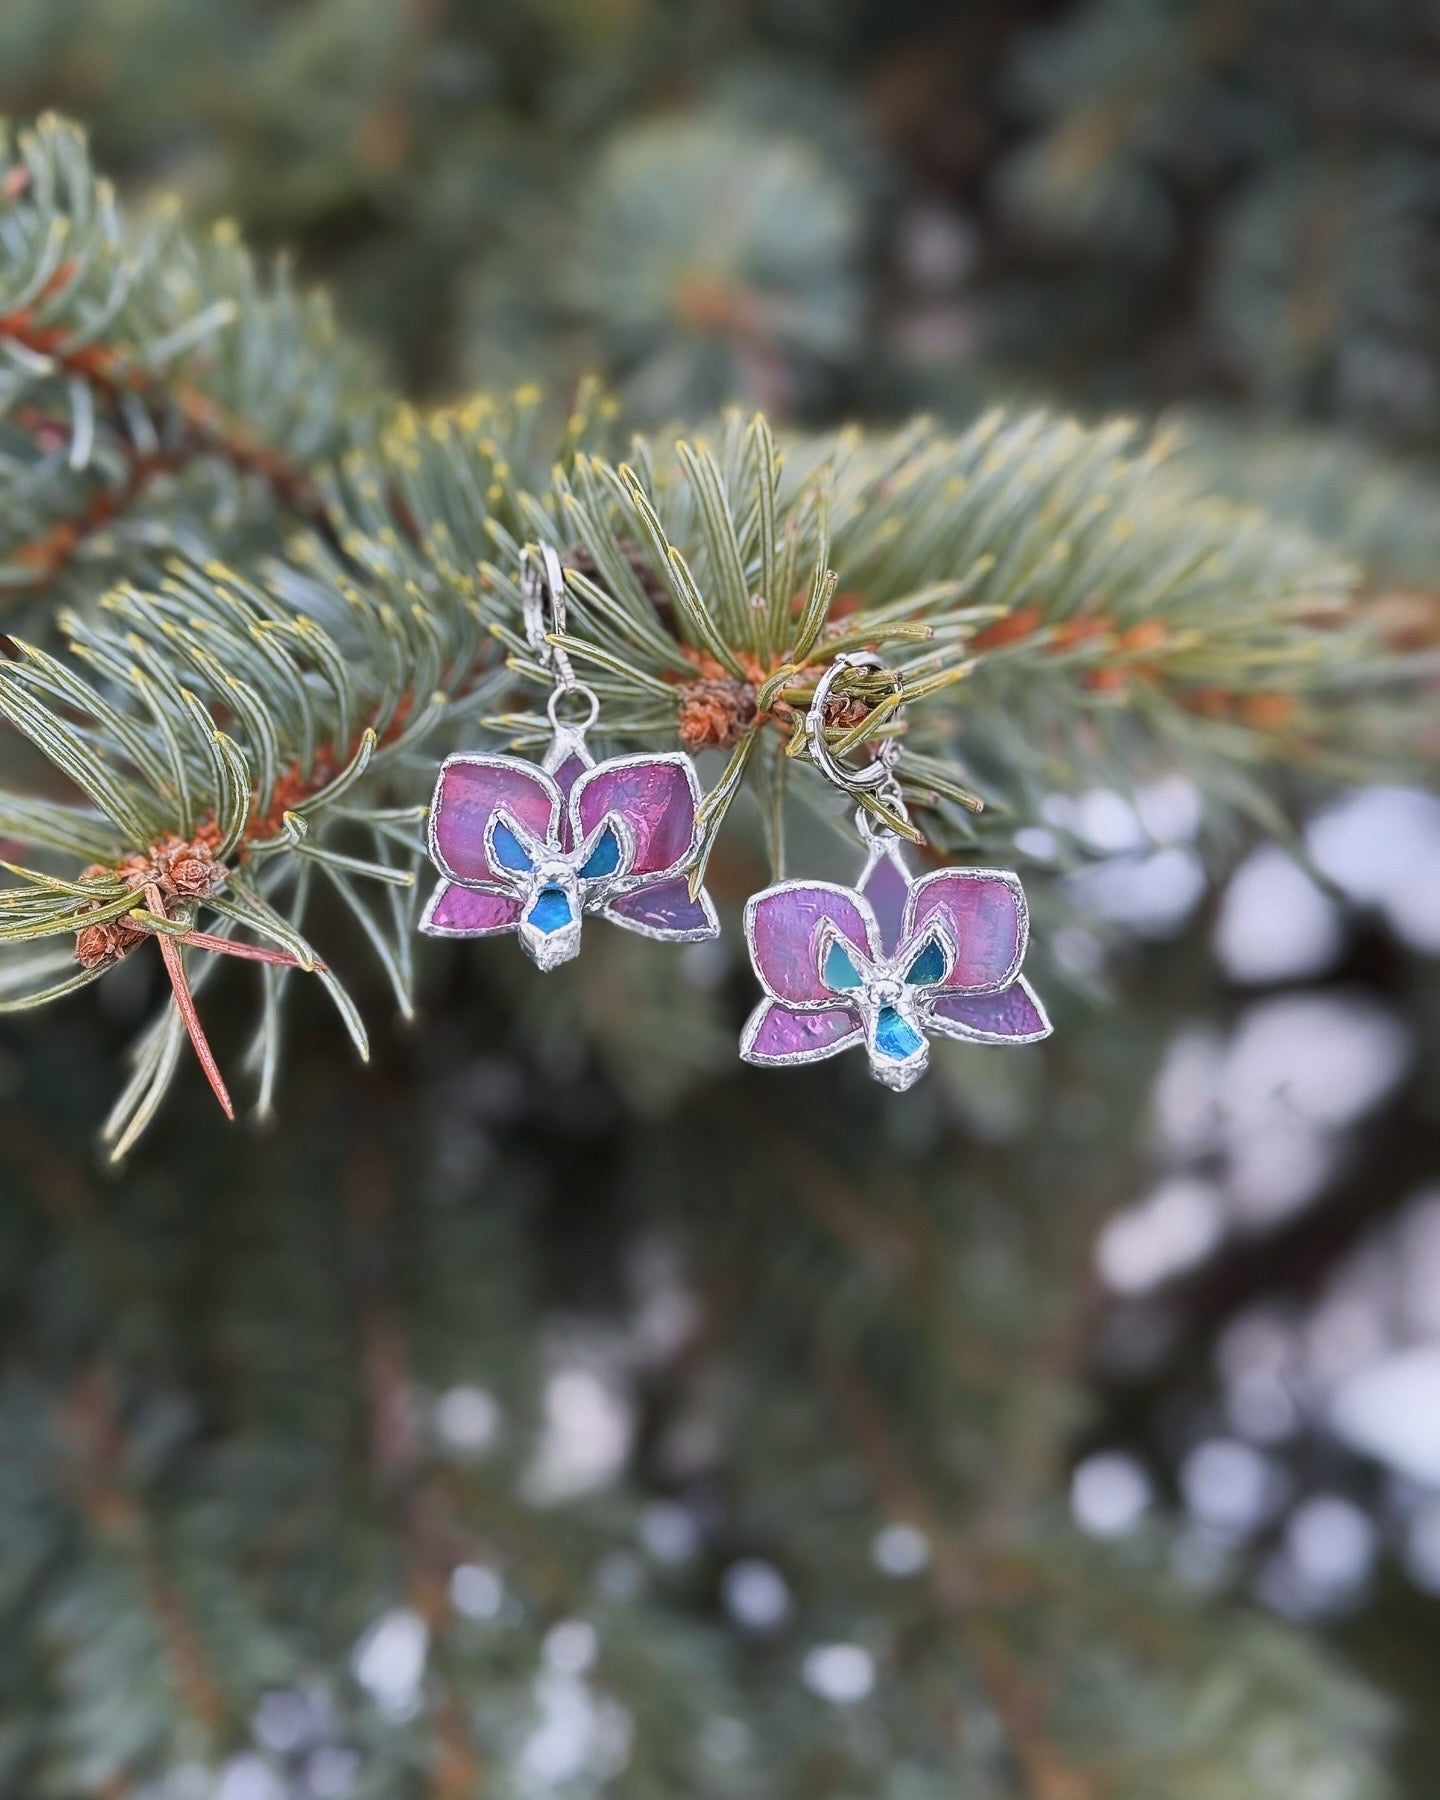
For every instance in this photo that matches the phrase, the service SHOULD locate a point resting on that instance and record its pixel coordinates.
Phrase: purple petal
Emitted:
(565, 777)
(665, 908)
(468, 912)
(775, 1034)
(655, 795)
(887, 888)
(1012, 1016)
(985, 911)
(471, 790)
(569, 772)
(783, 926)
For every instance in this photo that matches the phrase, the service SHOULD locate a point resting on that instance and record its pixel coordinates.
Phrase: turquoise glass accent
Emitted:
(893, 1037)
(507, 849)
(551, 911)
(604, 859)
(839, 971)
(928, 966)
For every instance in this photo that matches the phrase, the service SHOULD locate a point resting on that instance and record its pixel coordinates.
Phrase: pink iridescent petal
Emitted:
(655, 795)
(887, 888)
(1013, 1016)
(471, 790)
(775, 1034)
(665, 909)
(469, 912)
(784, 926)
(984, 910)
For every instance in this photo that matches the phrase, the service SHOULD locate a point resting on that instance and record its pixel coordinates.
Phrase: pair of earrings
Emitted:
(887, 964)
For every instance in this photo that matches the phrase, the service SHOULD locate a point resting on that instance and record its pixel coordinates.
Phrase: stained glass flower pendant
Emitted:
(893, 961)
(534, 850)
(888, 965)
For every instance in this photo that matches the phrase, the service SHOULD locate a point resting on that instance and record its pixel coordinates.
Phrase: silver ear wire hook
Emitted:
(878, 776)
(543, 597)
(542, 593)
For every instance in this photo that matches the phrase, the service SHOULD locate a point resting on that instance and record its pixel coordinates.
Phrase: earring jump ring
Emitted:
(576, 691)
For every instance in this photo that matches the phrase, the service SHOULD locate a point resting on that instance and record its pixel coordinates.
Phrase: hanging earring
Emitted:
(893, 960)
(532, 850)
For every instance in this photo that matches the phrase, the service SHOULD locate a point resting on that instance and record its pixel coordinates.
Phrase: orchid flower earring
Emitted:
(893, 961)
(534, 850)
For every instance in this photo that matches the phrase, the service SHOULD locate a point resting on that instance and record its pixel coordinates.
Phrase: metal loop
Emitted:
(873, 830)
(542, 594)
(575, 691)
(878, 775)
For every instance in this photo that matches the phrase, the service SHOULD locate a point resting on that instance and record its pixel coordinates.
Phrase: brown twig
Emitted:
(91, 1426)
(91, 1423)
(901, 1243)
(961, 1587)
(430, 1544)
(185, 1000)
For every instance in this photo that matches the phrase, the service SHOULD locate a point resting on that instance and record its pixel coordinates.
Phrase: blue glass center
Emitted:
(508, 851)
(604, 859)
(839, 970)
(928, 966)
(893, 1037)
(551, 911)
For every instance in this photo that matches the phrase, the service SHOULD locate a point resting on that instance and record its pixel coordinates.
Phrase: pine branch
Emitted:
(331, 691)
(680, 317)
(1056, 605)
(1061, 603)
(149, 381)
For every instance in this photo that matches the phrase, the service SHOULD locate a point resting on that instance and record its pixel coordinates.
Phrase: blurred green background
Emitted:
(1218, 1190)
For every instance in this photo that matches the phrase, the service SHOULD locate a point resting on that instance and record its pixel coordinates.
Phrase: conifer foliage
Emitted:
(1050, 594)
(249, 600)
(151, 383)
